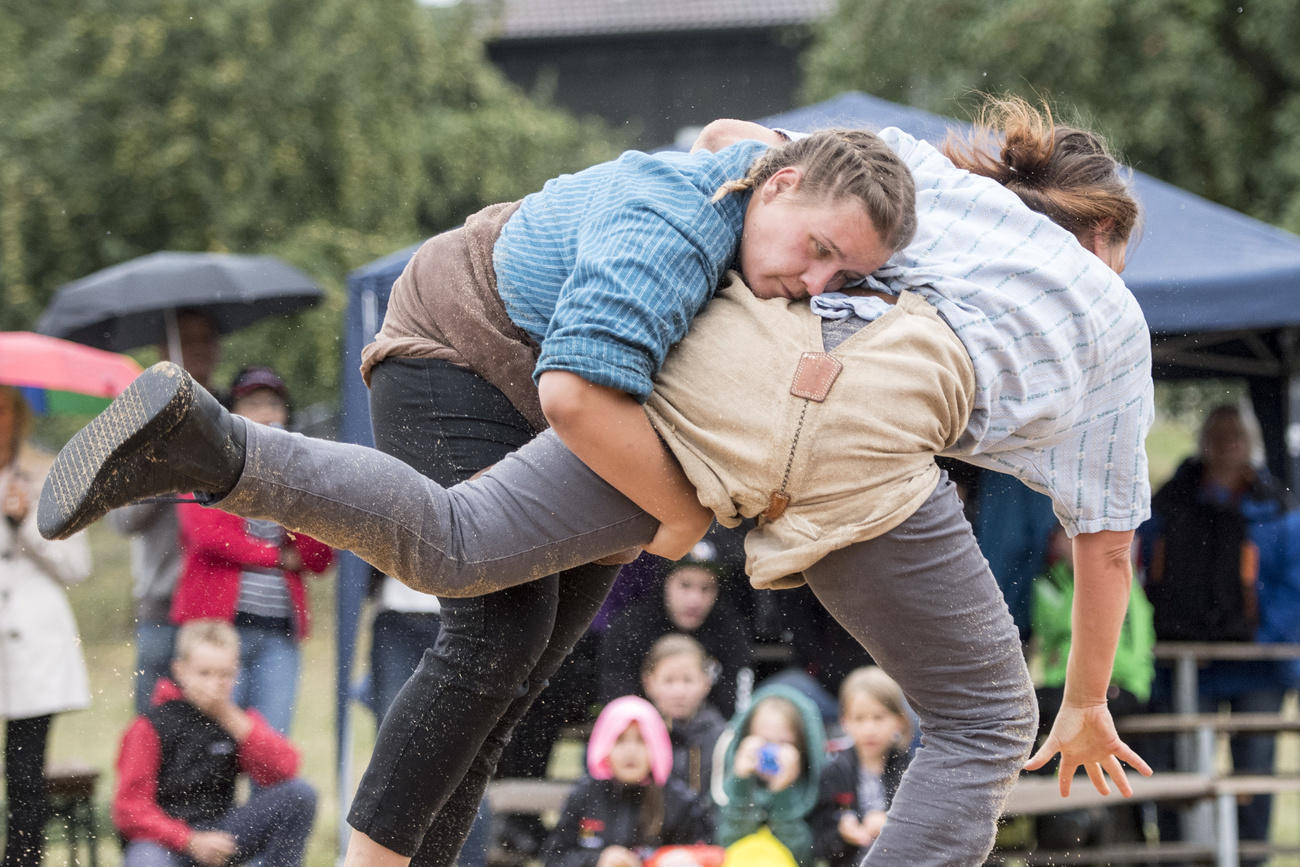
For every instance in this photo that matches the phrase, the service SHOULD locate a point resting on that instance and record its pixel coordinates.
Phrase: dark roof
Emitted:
(540, 19)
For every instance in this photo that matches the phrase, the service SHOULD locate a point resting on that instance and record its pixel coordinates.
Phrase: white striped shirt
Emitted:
(1061, 351)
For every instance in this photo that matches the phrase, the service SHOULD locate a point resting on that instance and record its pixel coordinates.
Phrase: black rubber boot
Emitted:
(163, 435)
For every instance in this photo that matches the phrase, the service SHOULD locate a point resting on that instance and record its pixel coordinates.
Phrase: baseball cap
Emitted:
(250, 379)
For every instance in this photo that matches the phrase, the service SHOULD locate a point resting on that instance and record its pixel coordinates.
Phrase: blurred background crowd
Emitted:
(327, 134)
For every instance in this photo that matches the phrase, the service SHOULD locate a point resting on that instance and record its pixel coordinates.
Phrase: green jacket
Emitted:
(750, 804)
(1052, 602)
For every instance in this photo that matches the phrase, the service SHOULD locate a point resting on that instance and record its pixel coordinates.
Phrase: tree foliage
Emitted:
(324, 131)
(1202, 93)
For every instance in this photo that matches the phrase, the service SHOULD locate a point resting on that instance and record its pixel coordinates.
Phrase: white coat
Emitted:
(42, 669)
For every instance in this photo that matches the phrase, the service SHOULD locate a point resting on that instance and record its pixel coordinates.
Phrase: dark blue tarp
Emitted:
(1199, 268)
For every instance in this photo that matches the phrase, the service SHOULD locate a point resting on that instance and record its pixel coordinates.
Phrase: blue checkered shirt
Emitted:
(607, 267)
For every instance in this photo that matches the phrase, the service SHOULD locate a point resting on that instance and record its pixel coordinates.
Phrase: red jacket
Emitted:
(215, 549)
(265, 755)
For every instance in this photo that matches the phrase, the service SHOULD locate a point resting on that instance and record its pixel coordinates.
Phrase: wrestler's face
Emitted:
(794, 246)
(1105, 245)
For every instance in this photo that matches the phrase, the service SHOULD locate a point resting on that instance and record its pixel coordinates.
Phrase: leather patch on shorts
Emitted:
(776, 505)
(815, 375)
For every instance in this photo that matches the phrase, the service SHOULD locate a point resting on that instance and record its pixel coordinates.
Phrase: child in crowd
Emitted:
(859, 783)
(676, 675)
(691, 603)
(175, 801)
(250, 572)
(771, 770)
(628, 805)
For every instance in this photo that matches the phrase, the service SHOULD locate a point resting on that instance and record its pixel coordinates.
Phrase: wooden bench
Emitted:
(527, 795)
(1040, 795)
(71, 790)
(1237, 723)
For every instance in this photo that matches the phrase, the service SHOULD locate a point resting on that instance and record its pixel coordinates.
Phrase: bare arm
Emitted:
(609, 431)
(1083, 732)
(724, 132)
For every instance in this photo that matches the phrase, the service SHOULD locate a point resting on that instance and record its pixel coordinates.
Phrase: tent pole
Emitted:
(1289, 347)
(174, 352)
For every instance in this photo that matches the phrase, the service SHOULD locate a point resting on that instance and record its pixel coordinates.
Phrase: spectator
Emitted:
(689, 604)
(772, 770)
(155, 533)
(859, 783)
(628, 805)
(178, 766)
(249, 572)
(1203, 556)
(677, 675)
(573, 694)
(41, 666)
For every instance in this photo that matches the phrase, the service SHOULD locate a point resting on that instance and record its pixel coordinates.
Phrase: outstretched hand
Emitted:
(1085, 736)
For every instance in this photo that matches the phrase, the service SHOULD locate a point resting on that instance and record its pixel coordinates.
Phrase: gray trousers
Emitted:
(920, 598)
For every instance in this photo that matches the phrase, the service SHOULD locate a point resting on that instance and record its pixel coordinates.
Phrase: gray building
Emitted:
(659, 68)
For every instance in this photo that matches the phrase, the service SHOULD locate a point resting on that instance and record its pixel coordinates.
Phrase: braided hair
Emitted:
(844, 163)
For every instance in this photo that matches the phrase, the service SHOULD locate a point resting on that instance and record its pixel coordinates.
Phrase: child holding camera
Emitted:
(771, 770)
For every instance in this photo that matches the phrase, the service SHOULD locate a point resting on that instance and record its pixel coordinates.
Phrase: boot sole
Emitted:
(92, 471)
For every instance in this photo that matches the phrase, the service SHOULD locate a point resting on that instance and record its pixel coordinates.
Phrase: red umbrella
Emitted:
(61, 376)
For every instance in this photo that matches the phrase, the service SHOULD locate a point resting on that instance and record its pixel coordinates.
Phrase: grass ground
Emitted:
(104, 614)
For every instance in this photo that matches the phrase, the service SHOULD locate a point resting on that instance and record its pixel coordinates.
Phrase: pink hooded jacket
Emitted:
(613, 721)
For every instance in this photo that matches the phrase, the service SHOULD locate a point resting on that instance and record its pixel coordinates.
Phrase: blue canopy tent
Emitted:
(1220, 290)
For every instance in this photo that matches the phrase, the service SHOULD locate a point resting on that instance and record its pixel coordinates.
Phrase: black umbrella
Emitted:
(135, 303)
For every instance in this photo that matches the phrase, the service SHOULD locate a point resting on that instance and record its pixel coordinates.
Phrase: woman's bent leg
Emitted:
(435, 729)
(535, 513)
(579, 594)
(27, 806)
(440, 743)
(924, 605)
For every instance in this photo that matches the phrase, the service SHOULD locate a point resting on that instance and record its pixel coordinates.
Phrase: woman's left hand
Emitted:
(1085, 736)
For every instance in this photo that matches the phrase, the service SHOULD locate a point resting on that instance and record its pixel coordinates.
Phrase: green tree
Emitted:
(1202, 93)
(323, 131)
